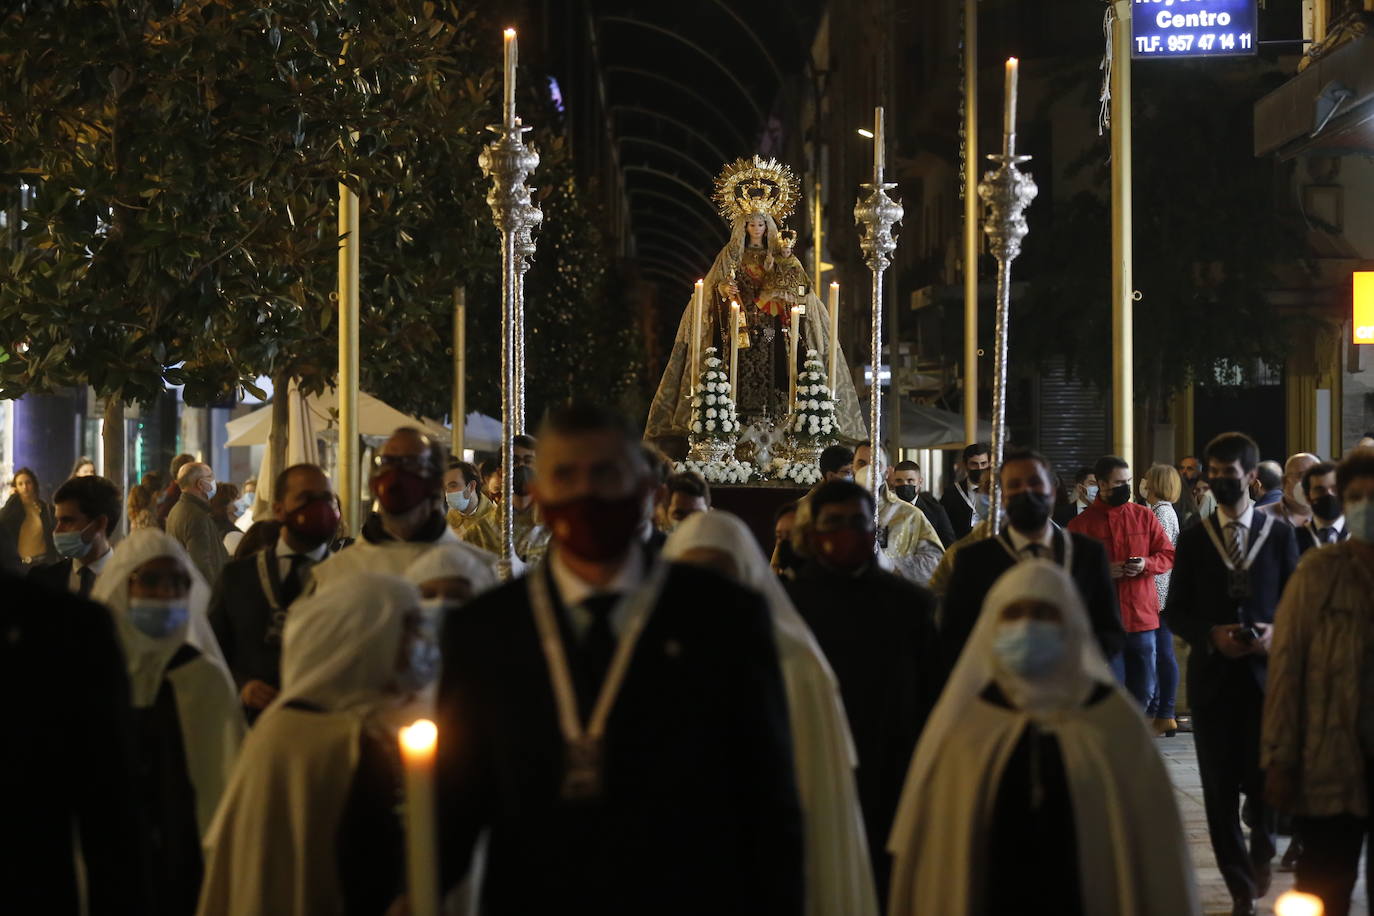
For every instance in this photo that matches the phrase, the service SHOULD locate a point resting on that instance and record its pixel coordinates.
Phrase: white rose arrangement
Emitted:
(796, 472)
(713, 410)
(730, 470)
(813, 415)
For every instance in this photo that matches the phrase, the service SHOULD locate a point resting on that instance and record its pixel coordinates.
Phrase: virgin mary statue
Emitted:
(757, 269)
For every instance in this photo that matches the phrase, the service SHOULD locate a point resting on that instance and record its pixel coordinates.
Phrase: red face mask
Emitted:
(314, 522)
(847, 550)
(399, 490)
(595, 529)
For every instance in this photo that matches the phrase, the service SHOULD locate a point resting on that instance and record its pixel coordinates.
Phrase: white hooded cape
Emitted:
(390, 557)
(839, 873)
(272, 847)
(1132, 852)
(207, 702)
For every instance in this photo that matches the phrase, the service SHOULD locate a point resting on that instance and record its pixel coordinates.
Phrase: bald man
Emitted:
(191, 524)
(1293, 507)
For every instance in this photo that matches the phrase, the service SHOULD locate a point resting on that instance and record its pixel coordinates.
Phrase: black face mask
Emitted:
(1028, 511)
(906, 491)
(1119, 495)
(1227, 490)
(520, 483)
(1327, 506)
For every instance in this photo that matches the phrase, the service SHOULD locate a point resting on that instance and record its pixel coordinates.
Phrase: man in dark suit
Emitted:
(878, 633)
(908, 483)
(682, 798)
(1027, 497)
(1229, 572)
(72, 827)
(249, 604)
(961, 499)
(1327, 522)
(86, 511)
(1082, 495)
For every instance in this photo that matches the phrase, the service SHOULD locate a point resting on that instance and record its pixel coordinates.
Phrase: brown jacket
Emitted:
(1312, 704)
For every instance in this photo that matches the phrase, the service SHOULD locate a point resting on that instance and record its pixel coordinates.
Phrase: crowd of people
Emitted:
(911, 704)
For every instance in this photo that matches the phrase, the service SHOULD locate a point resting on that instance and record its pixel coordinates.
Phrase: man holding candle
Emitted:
(617, 725)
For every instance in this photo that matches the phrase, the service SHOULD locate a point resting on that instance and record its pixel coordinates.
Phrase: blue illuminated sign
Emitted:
(1192, 28)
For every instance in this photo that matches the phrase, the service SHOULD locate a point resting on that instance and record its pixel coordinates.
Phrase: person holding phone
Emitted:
(1138, 550)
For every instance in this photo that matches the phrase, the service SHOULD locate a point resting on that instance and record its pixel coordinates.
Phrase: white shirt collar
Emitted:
(1020, 542)
(573, 589)
(1338, 524)
(95, 566)
(1246, 518)
(285, 550)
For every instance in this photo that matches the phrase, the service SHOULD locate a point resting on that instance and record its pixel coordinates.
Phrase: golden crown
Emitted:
(757, 185)
(787, 237)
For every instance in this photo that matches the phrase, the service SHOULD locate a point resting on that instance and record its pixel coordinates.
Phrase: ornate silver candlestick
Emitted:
(1007, 193)
(507, 161)
(877, 212)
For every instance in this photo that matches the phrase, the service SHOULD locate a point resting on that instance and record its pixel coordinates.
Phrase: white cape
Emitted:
(389, 557)
(839, 872)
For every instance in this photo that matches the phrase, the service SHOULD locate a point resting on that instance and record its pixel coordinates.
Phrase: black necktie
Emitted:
(597, 649)
(1324, 534)
(291, 585)
(87, 578)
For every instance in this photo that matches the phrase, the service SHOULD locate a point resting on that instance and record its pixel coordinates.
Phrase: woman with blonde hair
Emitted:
(1161, 489)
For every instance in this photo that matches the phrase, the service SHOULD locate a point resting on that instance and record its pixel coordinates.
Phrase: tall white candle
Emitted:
(695, 349)
(734, 352)
(792, 353)
(1009, 111)
(512, 54)
(422, 860)
(832, 378)
(879, 150)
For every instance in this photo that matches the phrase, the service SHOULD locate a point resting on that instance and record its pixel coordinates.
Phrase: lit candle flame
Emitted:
(419, 737)
(1295, 903)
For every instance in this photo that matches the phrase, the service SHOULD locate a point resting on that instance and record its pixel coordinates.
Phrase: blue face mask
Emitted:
(1359, 521)
(459, 501)
(1090, 494)
(70, 544)
(158, 618)
(1029, 648)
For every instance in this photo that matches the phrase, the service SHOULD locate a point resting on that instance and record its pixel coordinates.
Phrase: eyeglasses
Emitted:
(152, 580)
(415, 464)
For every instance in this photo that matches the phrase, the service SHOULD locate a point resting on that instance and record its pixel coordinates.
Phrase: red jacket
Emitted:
(1130, 530)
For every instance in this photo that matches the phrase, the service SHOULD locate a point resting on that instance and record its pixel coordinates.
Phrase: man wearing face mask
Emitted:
(1138, 549)
(1027, 488)
(878, 633)
(86, 510)
(1232, 567)
(1293, 507)
(1326, 524)
(408, 484)
(471, 515)
(616, 724)
(248, 609)
(961, 499)
(1317, 752)
(908, 543)
(191, 523)
(909, 485)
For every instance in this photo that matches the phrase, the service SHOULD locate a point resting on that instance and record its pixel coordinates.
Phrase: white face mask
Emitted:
(459, 501)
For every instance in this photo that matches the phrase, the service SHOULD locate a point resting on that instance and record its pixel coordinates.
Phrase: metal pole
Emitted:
(460, 392)
(877, 212)
(349, 469)
(507, 161)
(970, 221)
(1123, 354)
(1006, 192)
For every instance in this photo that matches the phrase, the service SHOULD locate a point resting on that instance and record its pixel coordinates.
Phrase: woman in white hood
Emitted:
(186, 707)
(310, 821)
(1036, 785)
(839, 876)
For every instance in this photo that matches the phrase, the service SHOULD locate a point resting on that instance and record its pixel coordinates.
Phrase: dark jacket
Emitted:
(878, 633)
(191, 523)
(12, 519)
(69, 757)
(248, 620)
(979, 565)
(959, 512)
(700, 810)
(938, 517)
(1199, 600)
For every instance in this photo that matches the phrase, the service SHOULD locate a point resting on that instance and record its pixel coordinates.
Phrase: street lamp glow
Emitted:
(865, 133)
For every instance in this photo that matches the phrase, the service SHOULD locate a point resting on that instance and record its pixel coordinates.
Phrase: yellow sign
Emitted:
(1364, 307)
